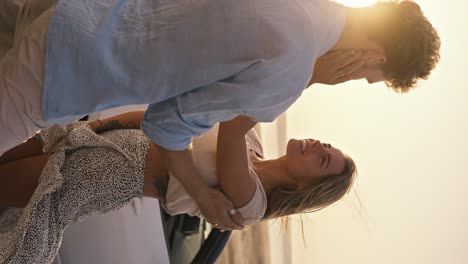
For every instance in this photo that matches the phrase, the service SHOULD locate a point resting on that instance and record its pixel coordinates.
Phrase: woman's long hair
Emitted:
(285, 201)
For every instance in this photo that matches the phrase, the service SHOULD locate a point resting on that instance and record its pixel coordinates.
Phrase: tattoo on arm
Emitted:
(115, 124)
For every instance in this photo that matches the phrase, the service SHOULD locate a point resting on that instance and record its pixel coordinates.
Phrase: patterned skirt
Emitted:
(87, 174)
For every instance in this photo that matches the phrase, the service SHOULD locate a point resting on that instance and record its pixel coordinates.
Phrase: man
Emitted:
(198, 63)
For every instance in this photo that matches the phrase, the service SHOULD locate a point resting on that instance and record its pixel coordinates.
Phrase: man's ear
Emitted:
(374, 57)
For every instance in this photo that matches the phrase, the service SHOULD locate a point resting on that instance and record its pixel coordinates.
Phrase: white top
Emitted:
(204, 154)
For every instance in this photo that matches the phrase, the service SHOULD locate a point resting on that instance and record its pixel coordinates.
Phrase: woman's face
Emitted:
(309, 160)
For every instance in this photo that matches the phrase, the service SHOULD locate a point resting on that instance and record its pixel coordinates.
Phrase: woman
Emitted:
(82, 172)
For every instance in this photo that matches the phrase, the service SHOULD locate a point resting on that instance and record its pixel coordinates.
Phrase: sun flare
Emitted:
(356, 3)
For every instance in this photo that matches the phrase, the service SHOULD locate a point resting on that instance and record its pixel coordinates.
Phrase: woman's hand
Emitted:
(335, 66)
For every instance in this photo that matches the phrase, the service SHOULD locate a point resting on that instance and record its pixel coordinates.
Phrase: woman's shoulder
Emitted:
(254, 142)
(255, 209)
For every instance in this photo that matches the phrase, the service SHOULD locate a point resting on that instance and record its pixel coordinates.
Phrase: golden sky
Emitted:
(412, 155)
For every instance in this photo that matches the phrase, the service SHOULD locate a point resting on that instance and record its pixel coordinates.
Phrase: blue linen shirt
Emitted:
(196, 62)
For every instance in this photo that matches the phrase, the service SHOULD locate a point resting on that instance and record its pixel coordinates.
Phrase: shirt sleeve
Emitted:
(255, 209)
(261, 92)
(172, 123)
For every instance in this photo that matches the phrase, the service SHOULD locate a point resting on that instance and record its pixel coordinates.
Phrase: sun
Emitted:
(356, 3)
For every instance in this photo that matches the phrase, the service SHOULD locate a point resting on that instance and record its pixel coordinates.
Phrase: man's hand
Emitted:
(215, 207)
(334, 67)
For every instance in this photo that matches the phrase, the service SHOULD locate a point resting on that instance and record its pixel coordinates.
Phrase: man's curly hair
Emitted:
(410, 42)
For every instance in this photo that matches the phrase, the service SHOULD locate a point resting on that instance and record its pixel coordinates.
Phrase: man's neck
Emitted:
(353, 35)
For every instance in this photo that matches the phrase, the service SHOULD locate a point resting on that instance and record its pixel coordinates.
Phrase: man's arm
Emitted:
(173, 122)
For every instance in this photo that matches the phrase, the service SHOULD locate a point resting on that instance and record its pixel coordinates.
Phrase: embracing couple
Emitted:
(197, 64)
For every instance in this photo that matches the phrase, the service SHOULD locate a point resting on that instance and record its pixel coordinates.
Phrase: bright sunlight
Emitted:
(356, 3)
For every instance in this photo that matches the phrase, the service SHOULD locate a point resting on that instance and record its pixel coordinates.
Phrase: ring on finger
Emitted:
(233, 211)
(340, 74)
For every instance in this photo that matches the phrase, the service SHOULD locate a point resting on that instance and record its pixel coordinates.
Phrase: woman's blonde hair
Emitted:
(285, 201)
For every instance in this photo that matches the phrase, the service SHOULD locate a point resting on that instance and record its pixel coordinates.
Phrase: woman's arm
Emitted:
(232, 161)
(19, 179)
(213, 204)
(30, 148)
(128, 120)
(33, 147)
